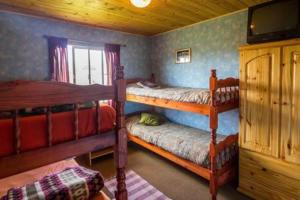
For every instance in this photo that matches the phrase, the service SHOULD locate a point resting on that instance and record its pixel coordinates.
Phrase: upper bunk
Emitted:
(222, 95)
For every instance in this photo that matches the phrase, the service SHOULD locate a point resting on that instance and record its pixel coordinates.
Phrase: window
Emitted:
(87, 65)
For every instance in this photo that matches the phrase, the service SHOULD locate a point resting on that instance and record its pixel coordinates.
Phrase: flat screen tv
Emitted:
(274, 20)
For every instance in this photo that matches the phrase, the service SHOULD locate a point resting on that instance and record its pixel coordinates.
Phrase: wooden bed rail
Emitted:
(223, 91)
(227, 172)
(229, 168)
(17, 163)
(135, 80)
(223, 145)
(28, 94)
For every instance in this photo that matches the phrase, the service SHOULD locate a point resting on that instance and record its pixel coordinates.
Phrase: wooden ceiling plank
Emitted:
(104, 24)
(153, 13)
(159, 16)
(75, 14)
(93, 12)
(236, 4)
(195, 8)
(210, 5)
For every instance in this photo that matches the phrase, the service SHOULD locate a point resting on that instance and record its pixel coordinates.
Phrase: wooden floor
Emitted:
(174, 181)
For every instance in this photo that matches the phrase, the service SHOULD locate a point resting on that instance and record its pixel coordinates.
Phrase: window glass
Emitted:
(96, 66)
(81, 58)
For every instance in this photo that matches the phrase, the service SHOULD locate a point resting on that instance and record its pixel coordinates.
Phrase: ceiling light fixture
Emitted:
(140, 3)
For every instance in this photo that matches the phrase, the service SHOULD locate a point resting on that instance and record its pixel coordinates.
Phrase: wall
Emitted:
(214, 44)
(24, 50)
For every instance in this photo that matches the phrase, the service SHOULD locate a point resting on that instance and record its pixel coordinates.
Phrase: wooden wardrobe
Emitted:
(269, 159)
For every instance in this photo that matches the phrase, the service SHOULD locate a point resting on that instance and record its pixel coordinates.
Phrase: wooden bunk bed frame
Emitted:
(17, 95)
(228, 87)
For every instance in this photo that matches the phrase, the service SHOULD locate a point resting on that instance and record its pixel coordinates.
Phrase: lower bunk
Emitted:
(34, 184)
(188, 147)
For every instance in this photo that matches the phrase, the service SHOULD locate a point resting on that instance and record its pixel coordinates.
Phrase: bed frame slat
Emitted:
(76, 121)
(97, 117)
(49, 126)
(24, 161)
(17, 131)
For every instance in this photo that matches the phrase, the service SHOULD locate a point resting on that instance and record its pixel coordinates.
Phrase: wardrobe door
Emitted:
(290, 147)
(259, 100)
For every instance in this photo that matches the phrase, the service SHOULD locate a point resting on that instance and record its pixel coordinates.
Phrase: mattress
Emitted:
(33, 132)
(31, 176)
(185, 142)
(191, 95)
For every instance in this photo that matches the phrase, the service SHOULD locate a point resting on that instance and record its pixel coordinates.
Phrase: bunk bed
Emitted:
(21, 158)
(222, 95)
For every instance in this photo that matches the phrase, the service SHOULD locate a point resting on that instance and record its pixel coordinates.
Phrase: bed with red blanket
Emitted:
(29, 145)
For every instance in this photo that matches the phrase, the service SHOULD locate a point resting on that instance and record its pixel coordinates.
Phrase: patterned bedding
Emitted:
(71, 183)
(186, 142)
(182, 94)
(192, 95)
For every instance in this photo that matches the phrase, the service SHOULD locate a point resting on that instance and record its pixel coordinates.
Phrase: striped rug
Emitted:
(137, 188)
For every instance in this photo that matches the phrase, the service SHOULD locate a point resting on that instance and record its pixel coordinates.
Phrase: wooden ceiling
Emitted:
(158, 17)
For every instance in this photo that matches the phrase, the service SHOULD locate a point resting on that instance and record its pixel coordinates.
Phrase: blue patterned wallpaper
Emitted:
(24, 51)
(214, 44)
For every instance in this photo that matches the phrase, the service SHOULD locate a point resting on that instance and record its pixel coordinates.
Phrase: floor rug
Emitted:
(137, 188)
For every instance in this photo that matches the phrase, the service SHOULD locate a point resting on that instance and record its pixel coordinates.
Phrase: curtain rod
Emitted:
(85, 42)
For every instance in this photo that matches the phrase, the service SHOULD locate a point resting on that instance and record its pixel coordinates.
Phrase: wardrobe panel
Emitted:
(260, 100)
(290, 148)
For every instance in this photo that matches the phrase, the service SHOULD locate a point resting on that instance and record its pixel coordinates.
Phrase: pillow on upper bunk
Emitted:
(71, 183)
(149, 119)
(147, 84)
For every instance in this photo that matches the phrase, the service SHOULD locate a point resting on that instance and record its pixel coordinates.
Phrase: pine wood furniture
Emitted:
(229, 87)
(269, 162)
(16, 95)
(158, 17)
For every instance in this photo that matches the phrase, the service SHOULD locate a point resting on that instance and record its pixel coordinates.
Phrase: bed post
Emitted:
(213, 118)
(121, 137)
(152, 78)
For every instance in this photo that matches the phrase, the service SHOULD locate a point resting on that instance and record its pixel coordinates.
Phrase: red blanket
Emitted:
(34, 128)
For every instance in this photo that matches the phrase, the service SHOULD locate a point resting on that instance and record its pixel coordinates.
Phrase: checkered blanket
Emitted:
(76, 183)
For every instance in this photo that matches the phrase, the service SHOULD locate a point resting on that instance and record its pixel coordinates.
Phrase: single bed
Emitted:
(36, 141)
(180, 94)
(185, 142)
(221, 96)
